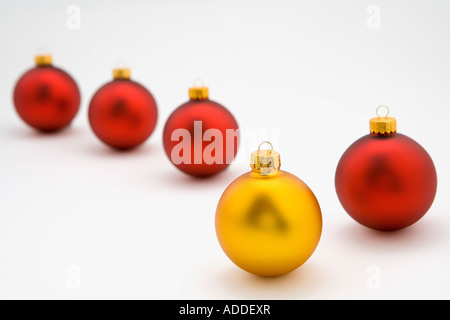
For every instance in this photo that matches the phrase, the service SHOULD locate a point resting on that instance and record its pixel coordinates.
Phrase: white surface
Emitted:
(78, 220)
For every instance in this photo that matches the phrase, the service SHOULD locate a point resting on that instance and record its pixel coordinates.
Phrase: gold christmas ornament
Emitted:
(268, 221)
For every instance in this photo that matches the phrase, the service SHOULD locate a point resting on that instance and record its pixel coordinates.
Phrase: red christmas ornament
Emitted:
(46, 97)
(201, 136)
(123, 113)
(385, 180)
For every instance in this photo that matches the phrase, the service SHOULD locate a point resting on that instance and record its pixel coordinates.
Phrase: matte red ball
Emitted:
(47, 98)
(212, 115)
(123, 114)
(386, 182)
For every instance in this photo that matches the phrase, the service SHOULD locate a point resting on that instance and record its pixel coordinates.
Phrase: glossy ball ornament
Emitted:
(46, 97)
(386, 180)
(268, 221)
(123, 113)
(201, 136)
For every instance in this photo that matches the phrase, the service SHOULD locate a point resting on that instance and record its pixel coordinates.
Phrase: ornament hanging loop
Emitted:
(42, 51)
(382, 106)
(121, 71)
(198, 91)
(265, 162)
(383, 125)
(121, 64)
(271, 146)
(198, 82)
(42, 57)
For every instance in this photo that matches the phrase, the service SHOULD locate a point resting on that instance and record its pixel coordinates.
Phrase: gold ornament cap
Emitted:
(43, 60)
(265, 162)
(198, 91)
(383, 124)
(121, 73)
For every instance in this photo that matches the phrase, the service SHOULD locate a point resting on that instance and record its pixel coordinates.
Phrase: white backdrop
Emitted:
(78, 220)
